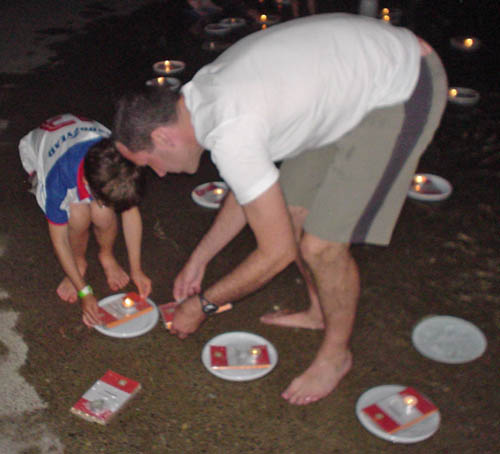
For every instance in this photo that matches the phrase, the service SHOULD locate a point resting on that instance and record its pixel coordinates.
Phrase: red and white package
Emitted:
(115, 313)
(400, 410)
(238, 357)
(105, 398)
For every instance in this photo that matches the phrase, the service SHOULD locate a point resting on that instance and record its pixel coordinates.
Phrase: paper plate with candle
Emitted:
(126, 315)
(448, 339)
(463, 96)
(219, 29)
(233, 22)
(172, 82)
(210, 195)
(239, 356)
(397, 413)
(169, 67)
(427, 187)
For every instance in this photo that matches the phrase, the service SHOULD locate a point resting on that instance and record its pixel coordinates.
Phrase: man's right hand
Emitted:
(188, 281)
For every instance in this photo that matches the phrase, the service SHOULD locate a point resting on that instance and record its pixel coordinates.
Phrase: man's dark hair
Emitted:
(112, 179)
(140, 112)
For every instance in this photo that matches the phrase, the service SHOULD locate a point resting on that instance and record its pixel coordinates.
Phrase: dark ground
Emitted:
(443, 260)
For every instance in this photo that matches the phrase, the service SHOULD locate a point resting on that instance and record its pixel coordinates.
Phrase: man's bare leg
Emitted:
(106, 230)
(78, 231)
(337, 279)
(312, 318)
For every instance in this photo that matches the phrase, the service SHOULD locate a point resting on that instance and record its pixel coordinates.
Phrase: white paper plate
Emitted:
(418, 432)
(233, 22)
(209, 194)
(133, 328)
(463, 96)
(219, 29)
(172, 82)
(243, 340)
(215, 46)
(448, 339)
(439, 188)
(176, 66)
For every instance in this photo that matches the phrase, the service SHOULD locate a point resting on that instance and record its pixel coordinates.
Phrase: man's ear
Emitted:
(162, 135)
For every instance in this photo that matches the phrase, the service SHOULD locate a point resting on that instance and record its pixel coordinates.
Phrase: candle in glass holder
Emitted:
(162, 81)
(128, 304)
(463, 96)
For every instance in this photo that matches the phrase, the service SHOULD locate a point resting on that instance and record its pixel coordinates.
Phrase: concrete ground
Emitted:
(444, 259)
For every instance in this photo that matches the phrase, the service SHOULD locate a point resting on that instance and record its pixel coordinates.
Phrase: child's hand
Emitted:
(90, 311)
(142, 282)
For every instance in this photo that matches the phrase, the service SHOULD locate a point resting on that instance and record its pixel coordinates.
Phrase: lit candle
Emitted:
(468, 42)
(255, 351)
(263, 18)
(385, 11)
(410, 402)
(167, 65)
(453, 92)
(128, 304)
(218, 191)
(386, 18)
(463, 96)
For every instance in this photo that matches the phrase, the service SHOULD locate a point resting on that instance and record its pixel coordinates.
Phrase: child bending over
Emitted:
(79, 180)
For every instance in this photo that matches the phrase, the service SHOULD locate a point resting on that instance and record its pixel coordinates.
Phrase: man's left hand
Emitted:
(187, 318)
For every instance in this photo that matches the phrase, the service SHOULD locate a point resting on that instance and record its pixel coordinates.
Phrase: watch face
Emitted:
(210, 308)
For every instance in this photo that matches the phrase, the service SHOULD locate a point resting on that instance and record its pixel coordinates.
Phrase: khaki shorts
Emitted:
(355, 188)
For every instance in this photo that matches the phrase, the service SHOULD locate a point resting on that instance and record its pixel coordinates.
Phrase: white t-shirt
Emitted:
(293, 87)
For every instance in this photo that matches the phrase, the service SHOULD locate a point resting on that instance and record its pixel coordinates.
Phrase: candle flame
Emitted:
(128, 302)
(255, 351)
(419, 179)
(410, 401)
(453, 92)
(385, 11)
(167, 65)
(386, 18)
(263, 18)
(218, 191)
(468, 42)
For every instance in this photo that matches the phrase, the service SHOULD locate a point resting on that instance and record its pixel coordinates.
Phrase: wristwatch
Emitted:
(207, 307)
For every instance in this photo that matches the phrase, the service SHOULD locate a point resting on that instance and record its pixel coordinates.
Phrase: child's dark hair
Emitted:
(112, 179)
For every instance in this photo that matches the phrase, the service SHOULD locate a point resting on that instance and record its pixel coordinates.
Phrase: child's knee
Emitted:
(103, 218)
(79, 216)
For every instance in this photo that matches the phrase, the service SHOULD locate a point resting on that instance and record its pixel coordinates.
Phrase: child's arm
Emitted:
(60, 240)
(132, 231)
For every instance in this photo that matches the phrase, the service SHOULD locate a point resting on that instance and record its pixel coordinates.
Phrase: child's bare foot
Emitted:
(115, 275)
(304, 319)
(66, 290)
(319, 380)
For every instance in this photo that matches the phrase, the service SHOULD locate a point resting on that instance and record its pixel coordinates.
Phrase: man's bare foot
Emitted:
(294, 320)
(319, 380)
(115, 275)
(66, 290)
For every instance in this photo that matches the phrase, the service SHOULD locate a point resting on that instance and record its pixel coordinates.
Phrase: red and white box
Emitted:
(237, 357)
(105, 398)
(115, 313)
(400, 410)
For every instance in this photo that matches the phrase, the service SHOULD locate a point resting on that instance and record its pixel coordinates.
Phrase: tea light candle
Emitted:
(218, 191)
(386, 18)
(233, 22)
(255, 351)
(169, 67)
(171, 82)
(266, 20)
(463, 96)
(384, 11)
(418, 182)
(466, 44)
(409, 402)
(128, 304)
(215, 46)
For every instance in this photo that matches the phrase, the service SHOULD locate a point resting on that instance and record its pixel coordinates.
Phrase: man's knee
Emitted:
(315, 250)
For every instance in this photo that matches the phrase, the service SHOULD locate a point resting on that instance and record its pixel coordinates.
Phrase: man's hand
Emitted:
(188, 281)
(142, 282)
(187, 318)
(90, 311)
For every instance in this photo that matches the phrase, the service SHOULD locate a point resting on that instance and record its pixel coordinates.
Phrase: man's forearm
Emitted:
(229, 221)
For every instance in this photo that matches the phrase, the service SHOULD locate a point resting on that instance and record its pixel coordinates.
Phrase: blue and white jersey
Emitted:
(55, 152)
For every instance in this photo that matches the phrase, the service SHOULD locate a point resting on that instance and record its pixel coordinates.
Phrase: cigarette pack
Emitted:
(167, 311)
(400, 410)
(239, 357)
(114, 313)
(105, 398)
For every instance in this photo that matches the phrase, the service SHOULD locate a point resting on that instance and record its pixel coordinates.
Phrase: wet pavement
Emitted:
(444, 259)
